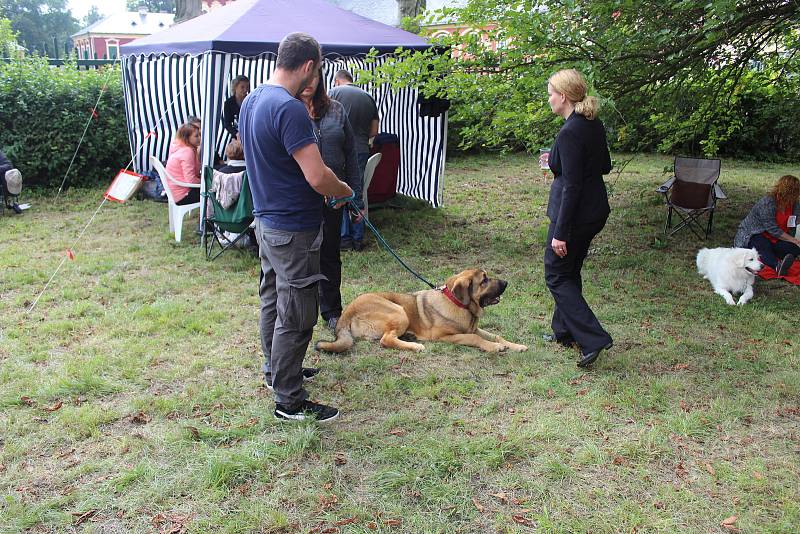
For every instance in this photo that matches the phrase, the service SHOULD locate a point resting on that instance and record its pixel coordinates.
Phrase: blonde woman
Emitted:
(578, 209)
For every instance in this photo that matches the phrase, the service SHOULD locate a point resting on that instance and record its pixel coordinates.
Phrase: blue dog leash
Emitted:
(353, 209)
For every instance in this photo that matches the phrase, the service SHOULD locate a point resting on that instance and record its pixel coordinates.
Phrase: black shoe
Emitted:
(589, 357)
(358, 246)
(346, 244)
(308, 374)
(551, 338)
(331, 322)
(305, 411)
(785, 265)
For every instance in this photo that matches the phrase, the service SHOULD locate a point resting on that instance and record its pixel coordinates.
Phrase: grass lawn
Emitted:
(131, 398)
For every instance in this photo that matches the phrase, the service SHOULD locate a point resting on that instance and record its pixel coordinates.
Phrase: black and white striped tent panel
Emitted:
(161, 93)
(422, 139)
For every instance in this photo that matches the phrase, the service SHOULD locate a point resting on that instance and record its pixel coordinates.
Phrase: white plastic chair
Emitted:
(369, 170)
(176, 212)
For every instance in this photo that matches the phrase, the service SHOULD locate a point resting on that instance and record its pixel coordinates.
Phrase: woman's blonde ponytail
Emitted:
(571, 84)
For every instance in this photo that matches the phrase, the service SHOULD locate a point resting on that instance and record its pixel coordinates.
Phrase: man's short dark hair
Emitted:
(297, 48)
(344, 74)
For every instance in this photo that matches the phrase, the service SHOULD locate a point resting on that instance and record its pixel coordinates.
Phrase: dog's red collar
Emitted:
(449, 294)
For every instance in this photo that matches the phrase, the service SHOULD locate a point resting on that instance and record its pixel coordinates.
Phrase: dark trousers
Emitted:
(330, 263)
(355, 230)
(191, 197)
(772, 254)
(572, 317)
(289, 299)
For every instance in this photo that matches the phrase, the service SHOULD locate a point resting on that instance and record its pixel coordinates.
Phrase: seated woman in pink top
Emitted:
(183, 164)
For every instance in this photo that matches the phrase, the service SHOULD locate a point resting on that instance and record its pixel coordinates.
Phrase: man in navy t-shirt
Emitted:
(288, 180)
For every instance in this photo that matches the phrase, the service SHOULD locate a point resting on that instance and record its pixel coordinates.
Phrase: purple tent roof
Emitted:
(251, 27)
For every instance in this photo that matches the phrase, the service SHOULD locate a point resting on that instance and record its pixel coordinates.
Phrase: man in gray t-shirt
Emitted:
(360, 107)
(363, 116)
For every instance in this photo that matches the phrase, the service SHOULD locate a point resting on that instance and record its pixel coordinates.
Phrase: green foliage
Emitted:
(38, 22)
(91, 17)
(154, 6)
(7, 34)
(690, 76)
(47, 110)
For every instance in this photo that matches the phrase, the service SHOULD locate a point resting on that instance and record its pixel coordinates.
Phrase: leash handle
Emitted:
(354, 210)
(333, 200)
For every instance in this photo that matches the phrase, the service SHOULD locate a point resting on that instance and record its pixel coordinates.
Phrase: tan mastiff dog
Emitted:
(449, 314)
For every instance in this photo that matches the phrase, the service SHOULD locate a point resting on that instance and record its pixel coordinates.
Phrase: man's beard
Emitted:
(306, 83)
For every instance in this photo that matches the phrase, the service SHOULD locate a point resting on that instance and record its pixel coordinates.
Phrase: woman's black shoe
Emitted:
(589, 357)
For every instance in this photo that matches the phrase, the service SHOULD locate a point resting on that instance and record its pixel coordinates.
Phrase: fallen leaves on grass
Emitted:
(618, 460)
(788, 411)
(522, 520)
(582, 392)
(478, 505)
(340, 458)
(681, 471)
(172, 524)
(729, 524)
(680, 366)
(685, 407)
(328, 501)
(55, 407)
(83, 516)
(346, 521)
(397, 432)
(27, 401)
(140, 418)
(757, 475)
(372, 525)
(577, 380)
(253, 421)
(550, 393)
(393, 522)
(501, 496)
(193, 432)
(710, 469)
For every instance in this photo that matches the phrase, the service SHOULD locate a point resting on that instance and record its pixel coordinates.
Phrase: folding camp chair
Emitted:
(237, 219)
(692, 193)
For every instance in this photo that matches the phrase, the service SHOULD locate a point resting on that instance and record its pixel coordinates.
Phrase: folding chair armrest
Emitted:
(718, 192)
(184, 184)
(663, 188)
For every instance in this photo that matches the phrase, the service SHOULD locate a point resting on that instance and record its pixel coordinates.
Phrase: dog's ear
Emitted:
(462, 289)
(742, 259)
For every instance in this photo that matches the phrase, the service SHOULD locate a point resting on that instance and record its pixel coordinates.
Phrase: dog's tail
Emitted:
(344, 338)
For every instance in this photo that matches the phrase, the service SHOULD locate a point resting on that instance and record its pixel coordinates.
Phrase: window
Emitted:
(112, 45)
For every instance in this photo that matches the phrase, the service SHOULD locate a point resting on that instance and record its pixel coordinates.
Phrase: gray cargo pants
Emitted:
(289, 301)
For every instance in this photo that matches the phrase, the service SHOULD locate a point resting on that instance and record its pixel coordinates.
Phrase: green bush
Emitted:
(45, 110)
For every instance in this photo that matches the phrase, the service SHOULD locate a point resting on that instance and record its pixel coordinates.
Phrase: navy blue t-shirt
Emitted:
(272, 126)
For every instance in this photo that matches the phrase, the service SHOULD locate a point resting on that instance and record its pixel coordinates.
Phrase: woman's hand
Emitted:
(559, 247)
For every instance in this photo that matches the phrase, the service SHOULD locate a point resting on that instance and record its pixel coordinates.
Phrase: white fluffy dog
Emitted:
(730, 270)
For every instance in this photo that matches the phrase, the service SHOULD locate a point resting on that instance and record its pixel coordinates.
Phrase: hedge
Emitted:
(45, 110)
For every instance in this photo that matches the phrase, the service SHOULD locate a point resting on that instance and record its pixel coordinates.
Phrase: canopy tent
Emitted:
(186, 70)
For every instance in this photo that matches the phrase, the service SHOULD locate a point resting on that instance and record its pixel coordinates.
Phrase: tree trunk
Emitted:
(410, 8)
(187, 9)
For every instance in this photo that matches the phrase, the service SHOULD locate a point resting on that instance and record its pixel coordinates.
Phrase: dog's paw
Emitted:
(417, 347)
(517, 348)
(730, 301)
(495, 347)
